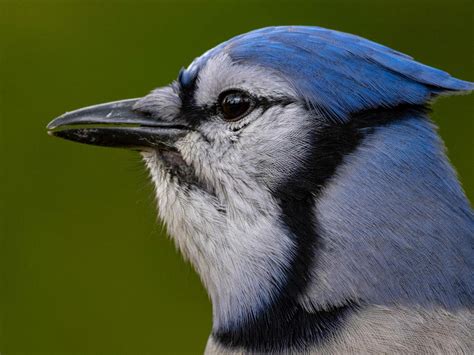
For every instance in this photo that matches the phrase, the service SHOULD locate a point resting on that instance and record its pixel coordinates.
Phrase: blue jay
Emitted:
(298, 171)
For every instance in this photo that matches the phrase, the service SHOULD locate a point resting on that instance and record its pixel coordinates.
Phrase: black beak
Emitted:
(116, 124)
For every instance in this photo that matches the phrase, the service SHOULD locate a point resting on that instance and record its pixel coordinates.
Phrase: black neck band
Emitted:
(285, 324)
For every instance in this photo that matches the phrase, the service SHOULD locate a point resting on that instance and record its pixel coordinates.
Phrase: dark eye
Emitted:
(234, 104)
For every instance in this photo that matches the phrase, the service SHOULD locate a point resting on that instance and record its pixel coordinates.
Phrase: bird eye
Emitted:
(234, 104)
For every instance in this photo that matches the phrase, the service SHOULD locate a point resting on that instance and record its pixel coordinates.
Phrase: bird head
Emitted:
(224, 144)
(243, 144)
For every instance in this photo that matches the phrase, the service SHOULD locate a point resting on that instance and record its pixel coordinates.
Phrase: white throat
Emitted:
(239, 247)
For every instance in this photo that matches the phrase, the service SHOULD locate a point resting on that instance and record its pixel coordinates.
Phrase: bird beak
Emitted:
(116, 124)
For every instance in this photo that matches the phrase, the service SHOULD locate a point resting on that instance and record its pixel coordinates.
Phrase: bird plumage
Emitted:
(326, 218)
(337, 73)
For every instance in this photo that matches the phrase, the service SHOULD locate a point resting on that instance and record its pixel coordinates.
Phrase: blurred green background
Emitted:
(84, 266)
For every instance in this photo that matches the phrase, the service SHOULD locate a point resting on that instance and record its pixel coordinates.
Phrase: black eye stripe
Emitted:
(259, 102)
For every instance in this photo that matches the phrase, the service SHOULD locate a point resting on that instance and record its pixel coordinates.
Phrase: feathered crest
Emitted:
(338, 74)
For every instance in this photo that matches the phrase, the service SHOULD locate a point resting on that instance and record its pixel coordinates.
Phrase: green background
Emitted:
(84, 265)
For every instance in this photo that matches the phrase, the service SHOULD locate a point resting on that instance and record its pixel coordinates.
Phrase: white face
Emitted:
(216, 193)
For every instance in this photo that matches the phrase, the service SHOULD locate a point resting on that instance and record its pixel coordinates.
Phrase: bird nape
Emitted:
(298, 171)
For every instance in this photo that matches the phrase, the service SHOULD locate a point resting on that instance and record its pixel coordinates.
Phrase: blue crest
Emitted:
(338, 73)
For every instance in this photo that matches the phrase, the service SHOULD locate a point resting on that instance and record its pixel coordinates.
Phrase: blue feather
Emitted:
(338, 74)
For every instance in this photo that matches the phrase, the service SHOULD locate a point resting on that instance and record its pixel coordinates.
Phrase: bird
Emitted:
(298, 170)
